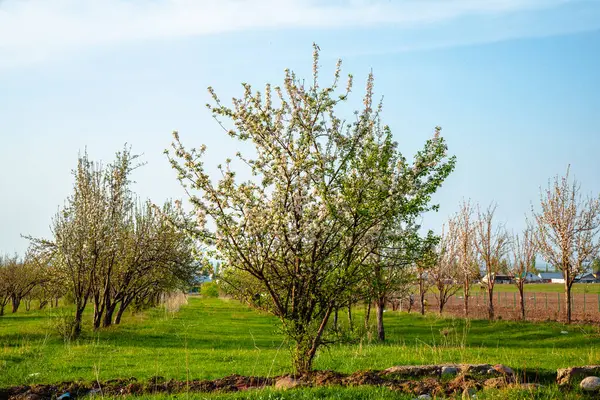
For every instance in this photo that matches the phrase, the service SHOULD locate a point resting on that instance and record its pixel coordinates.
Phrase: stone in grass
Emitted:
(449, 371)
(424, 397)
(590, 384)
(566, 376)
(504, 370)
(286, 383)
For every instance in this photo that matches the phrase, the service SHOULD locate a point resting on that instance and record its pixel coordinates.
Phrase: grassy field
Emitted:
(366, 393)
(212, 338)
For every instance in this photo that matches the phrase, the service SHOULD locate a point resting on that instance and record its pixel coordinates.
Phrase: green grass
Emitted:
(212, 338)
(337, 393)
(365, 392)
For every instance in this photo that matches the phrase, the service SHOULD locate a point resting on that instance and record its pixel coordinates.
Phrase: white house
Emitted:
(551, 277)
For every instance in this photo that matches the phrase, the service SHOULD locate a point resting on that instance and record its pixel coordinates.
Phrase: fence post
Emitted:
(584, 305)
(514, 300)
(546, 302)
(558, 297)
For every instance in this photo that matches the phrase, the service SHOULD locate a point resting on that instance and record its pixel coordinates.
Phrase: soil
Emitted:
(417, 384)
(538, 306)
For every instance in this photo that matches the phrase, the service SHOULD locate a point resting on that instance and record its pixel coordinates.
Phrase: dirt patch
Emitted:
(415, 380)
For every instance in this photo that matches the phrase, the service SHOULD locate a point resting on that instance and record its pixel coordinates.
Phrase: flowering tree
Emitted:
(467, 268)
(491, 243)
(19, 277)
(109, 251)
(297, 238)
(523, 261)
(443, 272)
(568, 230)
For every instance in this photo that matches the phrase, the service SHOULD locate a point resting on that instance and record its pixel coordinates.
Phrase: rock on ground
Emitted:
(590, 384)
(449, 370)
(286, 383)
(566, 376)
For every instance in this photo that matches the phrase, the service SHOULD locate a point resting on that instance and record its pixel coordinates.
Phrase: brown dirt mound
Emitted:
(416, 380)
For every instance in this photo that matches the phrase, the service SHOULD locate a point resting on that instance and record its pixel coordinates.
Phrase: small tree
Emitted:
(19, 278)
(567, 230)
(297, 236)
(423, 270)
(389, 268)
(467, 268)
(491, 243)
(443, 273)
(523, 262)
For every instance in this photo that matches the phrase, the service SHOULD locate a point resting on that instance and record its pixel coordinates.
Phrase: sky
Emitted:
(513, 83)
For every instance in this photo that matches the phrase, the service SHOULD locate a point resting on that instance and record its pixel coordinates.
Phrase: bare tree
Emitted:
(443, 274)
(567, 230)
(491, 243)
(467, 269)
(523, 260)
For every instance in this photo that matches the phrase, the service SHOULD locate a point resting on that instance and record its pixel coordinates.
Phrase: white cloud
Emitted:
(33, 30)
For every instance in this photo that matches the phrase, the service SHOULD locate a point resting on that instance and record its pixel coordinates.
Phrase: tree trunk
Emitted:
(522, 301)
(380, 329)
(368, 314)
(97, 318)
(466, 297)
(108, 315)
(350, 316)
(335, 318)
(491, 303)
(43, 304)
(306, 363)
(568, 300)
(76, 331)
(27, 305)
(422, 294)
(122, 307)
(16, 302)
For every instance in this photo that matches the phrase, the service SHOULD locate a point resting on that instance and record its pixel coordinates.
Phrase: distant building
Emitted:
(552, 277)
(498, 278)
(530, 277)
(588, 278)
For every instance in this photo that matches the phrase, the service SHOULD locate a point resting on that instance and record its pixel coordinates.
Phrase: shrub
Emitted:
(173, 301)
(63, 322)
(209, 289)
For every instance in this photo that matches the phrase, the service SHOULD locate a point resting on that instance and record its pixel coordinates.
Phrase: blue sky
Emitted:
(514, 84)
